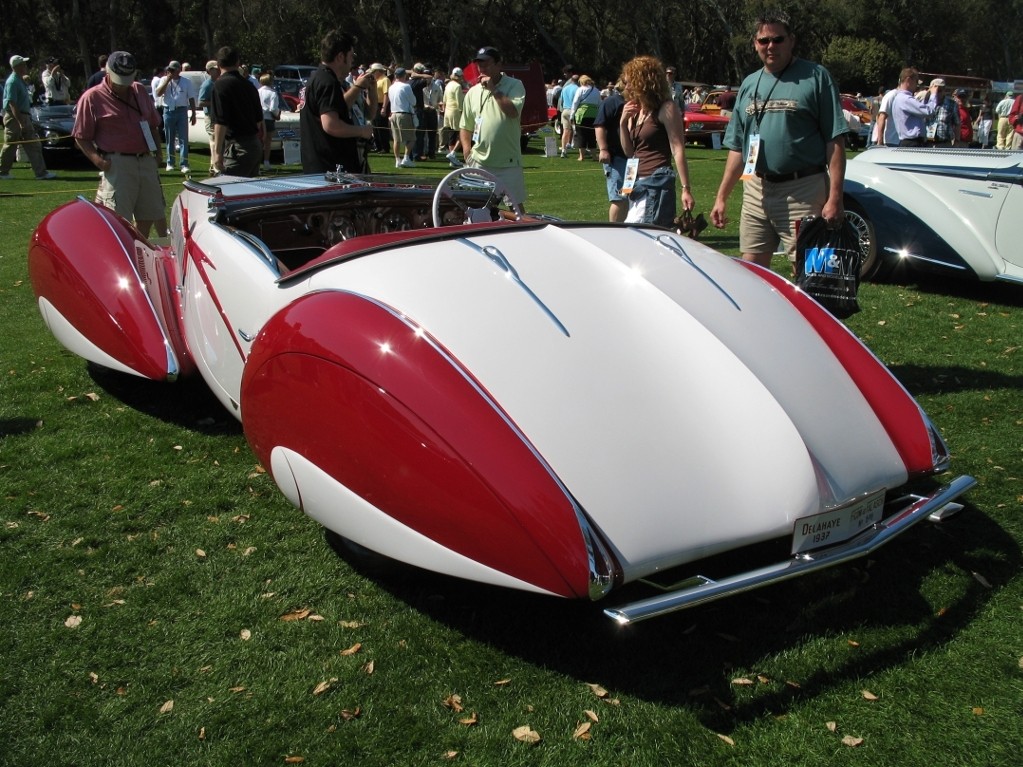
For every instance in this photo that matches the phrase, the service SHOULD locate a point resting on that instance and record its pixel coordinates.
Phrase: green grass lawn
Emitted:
(161, 603)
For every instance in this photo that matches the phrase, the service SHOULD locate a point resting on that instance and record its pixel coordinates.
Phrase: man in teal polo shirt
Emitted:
(786, 141)
(18, 128)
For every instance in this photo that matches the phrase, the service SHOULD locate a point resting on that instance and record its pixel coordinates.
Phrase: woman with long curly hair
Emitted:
(653, 133)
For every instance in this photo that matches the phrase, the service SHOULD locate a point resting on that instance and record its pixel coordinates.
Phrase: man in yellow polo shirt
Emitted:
(491, 126)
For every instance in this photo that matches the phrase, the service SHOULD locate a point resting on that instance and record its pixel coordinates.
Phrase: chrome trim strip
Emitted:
(865, 543)
(1009, 278)
(494, 254)
(670, 243)
(898, 253)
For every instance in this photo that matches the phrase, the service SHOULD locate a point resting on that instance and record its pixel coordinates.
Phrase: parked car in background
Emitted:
(53, 125)
(954, 211)
(286, 128)
(860, 120)
(702, 125)
(291, 79)
(456, 387)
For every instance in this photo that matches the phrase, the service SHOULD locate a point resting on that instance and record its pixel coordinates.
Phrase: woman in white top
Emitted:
(271, 101)
(584, 111)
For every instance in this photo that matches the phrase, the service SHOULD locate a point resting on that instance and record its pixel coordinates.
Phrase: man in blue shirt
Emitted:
(18, 127)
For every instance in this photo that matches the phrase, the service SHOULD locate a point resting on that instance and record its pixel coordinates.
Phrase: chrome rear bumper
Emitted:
(707, 590)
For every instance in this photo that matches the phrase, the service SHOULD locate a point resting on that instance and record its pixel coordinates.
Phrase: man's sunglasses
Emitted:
(777, 40)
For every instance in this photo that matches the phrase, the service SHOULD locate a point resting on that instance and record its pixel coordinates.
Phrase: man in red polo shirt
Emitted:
(116, 127)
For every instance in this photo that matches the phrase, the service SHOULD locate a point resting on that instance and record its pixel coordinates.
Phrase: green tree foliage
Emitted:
(861, 66)
(707, 40)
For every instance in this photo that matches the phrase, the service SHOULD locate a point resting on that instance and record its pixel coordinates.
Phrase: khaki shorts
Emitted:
(770, 211)
(131, 188)
(513, 178)
(403, 130)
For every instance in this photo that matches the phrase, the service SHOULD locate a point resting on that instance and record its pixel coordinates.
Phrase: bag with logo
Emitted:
(828, 265)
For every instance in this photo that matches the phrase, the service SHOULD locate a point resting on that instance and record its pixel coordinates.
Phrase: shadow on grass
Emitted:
(947, 379)
(1002, 293)
(12, 427)
(689, 658)
(188, 403)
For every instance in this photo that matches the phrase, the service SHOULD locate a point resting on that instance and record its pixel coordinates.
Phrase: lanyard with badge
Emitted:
(753, 154)
(144, 126)
(487, 94)
(632, 164)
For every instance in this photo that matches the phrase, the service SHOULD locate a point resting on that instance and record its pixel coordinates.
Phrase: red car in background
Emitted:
(534, 111)
(702, 124)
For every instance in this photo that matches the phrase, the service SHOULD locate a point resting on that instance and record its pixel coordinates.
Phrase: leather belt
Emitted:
(778, 178)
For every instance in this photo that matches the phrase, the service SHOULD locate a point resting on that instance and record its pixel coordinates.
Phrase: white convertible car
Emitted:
(561, 407)
(953, 211)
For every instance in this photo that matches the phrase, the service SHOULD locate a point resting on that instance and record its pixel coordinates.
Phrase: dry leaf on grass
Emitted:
(832, 726)
(296, 615)
(294, 759)
(351, 650)
(851, 741)
(981, 580)
(526, 734)
(322, 687)
(868, 695)
(350, 714)
(471, 720)
(94, 677)
(200, 554)
(591, 715)
(978, 711)
(597, 690)
(449, 755)
(454, 702)
(167, 707)
(370, 667)
(245, 635)
(742, 682)
(202, 733)
(351, 624)
(73, 621)
(582, 731)
(726, 739)
(502, 682)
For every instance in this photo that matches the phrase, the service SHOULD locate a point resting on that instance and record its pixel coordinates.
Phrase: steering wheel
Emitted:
(475, 176)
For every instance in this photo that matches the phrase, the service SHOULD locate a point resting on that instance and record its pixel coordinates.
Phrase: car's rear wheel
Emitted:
(872, 266)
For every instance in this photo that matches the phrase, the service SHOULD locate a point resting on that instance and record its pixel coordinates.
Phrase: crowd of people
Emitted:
(785, 137)
(915, 113)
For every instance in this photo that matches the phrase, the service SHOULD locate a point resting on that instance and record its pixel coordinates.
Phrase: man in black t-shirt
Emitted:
(329, 134)
(237, 116)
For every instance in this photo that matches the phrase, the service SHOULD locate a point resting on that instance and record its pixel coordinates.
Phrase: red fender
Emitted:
(371, 400)
(84, 262)
(896, 409)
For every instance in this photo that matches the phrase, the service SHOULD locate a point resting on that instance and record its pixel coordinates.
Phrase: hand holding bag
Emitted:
(828, 265)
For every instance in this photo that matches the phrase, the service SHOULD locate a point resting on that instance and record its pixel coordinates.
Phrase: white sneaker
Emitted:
(408, 163)
(397, 163)
(185, 169)
(169, 167)
(452, 158)
(48, 176)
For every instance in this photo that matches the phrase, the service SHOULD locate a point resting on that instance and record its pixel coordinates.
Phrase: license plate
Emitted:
(838, 525)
